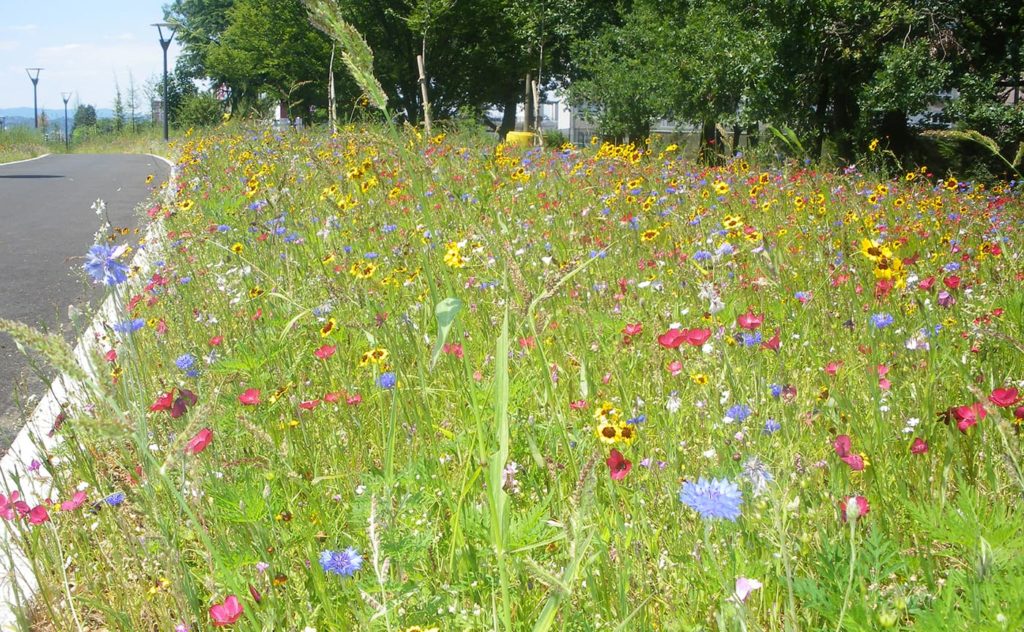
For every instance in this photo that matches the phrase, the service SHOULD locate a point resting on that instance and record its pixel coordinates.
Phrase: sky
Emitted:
(83, 46)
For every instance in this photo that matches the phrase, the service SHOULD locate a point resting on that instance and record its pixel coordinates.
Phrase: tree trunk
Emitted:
(527, 105)
(708, 151)
(819, 113)
(508, 117)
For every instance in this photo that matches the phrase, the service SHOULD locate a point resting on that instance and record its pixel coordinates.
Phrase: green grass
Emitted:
(428, 352)
(21, 143)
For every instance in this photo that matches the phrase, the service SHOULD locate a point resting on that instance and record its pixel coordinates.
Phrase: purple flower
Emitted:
(714, 499)
(771, 427)
(344, 563)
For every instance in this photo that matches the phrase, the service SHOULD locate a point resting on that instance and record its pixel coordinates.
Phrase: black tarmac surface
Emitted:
(46, 227)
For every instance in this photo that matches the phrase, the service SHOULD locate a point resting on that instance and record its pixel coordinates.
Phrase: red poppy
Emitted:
(671, 339)
(1004, 397)
(216, 341)
(773, 343)
(184, 399)
(199, 442)
(918, 446)
(927, 283)
(250, 397)
(325, 351)
(833, 367)
(333, 397)
(952, 282)
(861, 503)
(354, 399)
(224, 614)
(310, 404)
(163, 402)
(618, 465)
(967, 416)
(696, 337)
(111, 356)
(750, 320)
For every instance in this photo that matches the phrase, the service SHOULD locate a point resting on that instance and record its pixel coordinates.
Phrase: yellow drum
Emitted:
(521, 139)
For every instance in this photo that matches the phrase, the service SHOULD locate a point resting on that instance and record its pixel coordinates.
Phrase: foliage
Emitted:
(200, 110)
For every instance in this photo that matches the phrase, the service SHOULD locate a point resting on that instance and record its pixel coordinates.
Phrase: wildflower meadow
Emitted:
(381, 381)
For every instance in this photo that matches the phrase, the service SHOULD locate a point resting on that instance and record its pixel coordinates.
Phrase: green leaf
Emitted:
(445, 313)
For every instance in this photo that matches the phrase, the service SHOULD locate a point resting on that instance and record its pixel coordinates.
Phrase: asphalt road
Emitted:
(46, 227)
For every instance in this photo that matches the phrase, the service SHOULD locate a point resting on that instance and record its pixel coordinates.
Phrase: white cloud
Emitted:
(9, 44)
(23, 28)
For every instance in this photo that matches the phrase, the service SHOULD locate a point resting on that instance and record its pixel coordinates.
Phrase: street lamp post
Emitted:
(35, 92)
(165, 44)
(67, 139)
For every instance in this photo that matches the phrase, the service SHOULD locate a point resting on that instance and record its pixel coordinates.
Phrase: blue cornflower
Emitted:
(702, 255)
(185, 362)
(771, 427)
(803, 297)
(389, 228)
(750, 339)
(776, 390)
(725, 249)
(739, 412)
(882, 320)
(114, 499)
(129, 326)
(714, 499)
(387, 380)
(371, 255)
(344, 563)
(223, 228)
(102, 265)
(952, 266)
(639, 419)
(185, 280)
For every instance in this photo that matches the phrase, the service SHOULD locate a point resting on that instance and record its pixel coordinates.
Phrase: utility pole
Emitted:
(67, 139)
(165, 44)
(35, 93)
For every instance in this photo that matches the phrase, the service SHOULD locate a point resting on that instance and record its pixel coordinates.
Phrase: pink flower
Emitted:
(325, 351)
(224, 614)
(75, 502)
(199, 442)
(633, 329)
(855, 461)
(250, 397)
(918, 446)
(750, 320)
(9, 505)
(578, 404)
(453, 348)
(1004, 397)
(857, 509)
(745, 586)
(618, 465)
(310, 404)
(833, 367)
(675, 367)
(38, 515)
(842, 445)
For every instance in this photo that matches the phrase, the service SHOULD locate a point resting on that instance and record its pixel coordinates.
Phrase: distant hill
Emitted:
(23, 115)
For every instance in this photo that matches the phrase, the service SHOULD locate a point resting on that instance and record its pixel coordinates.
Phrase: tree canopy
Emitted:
(837, 72)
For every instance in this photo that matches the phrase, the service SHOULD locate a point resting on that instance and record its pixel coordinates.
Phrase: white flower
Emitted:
(673, 404)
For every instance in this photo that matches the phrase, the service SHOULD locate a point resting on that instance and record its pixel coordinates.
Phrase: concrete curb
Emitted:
(15, 162)
(17, 580)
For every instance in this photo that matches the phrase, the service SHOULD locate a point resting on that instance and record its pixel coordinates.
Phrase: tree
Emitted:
(132, 100)
(85, 116)
(200, 110)
(119, 115)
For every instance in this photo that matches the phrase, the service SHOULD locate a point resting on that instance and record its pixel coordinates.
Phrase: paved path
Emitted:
(46, 227)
